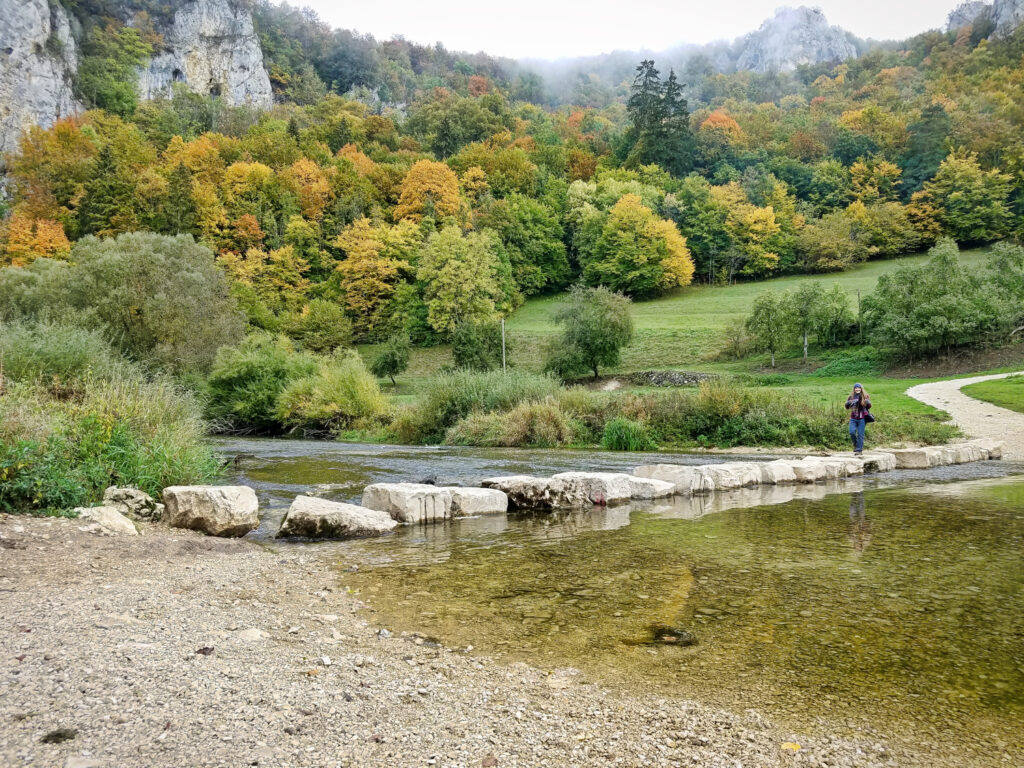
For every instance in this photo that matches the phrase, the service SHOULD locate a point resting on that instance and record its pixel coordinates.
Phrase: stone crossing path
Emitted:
(975, 417)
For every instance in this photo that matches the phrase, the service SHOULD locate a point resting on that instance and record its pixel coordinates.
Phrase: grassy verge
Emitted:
(1006, 393)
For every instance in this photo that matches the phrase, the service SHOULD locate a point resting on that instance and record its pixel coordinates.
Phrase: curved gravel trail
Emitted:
(976, 417)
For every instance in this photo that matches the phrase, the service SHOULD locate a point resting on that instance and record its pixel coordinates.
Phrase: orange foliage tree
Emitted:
(428, 188)
(28, 239)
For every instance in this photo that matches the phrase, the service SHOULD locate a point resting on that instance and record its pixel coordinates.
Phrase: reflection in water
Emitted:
(860, 526)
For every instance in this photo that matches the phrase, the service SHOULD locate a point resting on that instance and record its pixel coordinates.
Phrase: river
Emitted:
(892, 605)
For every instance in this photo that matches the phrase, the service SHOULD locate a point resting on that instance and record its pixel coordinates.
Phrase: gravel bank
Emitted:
(172, 649)
(976, 417)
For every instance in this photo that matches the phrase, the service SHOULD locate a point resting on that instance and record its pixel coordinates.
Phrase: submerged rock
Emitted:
(317, 518)
(219, 510)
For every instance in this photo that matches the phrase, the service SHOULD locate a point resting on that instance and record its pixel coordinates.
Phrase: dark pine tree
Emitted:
(107, 193)
(927, 147)
(180, 211)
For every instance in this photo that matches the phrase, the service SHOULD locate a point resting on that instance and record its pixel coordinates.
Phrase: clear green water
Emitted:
(896, 611)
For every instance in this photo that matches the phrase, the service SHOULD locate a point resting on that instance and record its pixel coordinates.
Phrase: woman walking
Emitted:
(859, 406)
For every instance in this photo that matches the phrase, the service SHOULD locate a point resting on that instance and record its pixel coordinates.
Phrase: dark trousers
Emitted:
(857, 433)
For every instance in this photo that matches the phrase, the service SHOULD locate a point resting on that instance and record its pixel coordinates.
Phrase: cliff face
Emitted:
(1008, 15)
(966, 13)
(38, 58)
(794, 36)
(212, 48)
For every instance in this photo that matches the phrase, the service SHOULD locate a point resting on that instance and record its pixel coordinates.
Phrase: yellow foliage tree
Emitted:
(875, 181)
(311, 185)
(28, 239)
(428, 189)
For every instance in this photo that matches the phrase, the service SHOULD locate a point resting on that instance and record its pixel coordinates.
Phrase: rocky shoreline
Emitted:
(175, 649)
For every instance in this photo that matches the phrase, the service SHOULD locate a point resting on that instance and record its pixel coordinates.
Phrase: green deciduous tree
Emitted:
(971, 204)
(596, 325)
(768, 322)
(460, 274)
(393, 357)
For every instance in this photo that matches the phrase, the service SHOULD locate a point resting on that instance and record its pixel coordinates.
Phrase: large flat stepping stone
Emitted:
(468, 502)
(686, 479)
(598, 488)
(537, 493)
(219, 510)
(410, 502)
(316, 518)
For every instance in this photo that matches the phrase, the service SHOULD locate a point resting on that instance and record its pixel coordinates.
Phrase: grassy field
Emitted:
(1006, 393)
(678, 331)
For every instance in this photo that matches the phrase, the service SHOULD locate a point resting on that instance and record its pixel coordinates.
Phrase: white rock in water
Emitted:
(596, 487)
(219, 510)
(650, 488)
(686, 480)
(809, 471)
(107, 520)
(778, 472)
(992, 449)
(410, 502)
(537, 493)
(878, 461)
(733, 474)
(316, 518)
(837, 467)
(477, 501)
(917, 458)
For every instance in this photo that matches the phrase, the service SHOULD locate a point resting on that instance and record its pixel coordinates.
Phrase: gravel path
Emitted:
(975, 417)
(174, 650)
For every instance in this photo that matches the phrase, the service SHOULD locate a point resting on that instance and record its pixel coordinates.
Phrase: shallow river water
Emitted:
(892, 605)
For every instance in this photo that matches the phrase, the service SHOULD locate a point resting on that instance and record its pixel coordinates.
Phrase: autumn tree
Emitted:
(179, 210)
(971, 204)
(429, 189)
(460, 275)
(106, 204)
(25, 239)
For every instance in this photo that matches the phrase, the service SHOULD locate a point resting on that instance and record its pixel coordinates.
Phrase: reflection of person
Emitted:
(860, 526)
(859, 406)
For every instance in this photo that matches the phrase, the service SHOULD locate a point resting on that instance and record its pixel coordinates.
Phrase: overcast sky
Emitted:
(554, 29)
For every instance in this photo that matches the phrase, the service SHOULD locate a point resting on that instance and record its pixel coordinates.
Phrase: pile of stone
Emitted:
(668, 378)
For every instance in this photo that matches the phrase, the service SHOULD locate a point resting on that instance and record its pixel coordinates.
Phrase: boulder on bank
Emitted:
(134, 503)
(106, 520)
(219, 510)
(316, 518)
(537, 493)
(410, 502)
(993, 449)
(467, 502)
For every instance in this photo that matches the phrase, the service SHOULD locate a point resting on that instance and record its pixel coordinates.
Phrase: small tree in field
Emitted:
(477, 346)
(596, 325)
(768, 322)
(801, 307)
(393, 358)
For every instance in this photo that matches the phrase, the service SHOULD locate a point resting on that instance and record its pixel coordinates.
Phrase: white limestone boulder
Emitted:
(315, 518)
(733, 474)
(648, 488)
(837, 467)
(686, 480)
(598, 488)
(918, 458)
(778, 472)
(219, 510)
(809, 471)
(134, 503)
(537, 493)
(467, 502)
(106, 520)
(878, 461)
(993, 449)
(410, 502)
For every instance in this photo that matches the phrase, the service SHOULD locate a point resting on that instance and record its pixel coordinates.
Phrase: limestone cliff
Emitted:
(794, 36)
(966, 13)
(38, 59)
(1008, 15)
(211, 47)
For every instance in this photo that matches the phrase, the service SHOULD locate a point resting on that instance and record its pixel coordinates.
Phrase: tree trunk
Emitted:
(595, 373)
(773, 358)
(805, 347)
(393, 382)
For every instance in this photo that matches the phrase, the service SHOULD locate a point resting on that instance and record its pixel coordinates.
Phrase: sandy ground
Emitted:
(975, 417)
(173, 649)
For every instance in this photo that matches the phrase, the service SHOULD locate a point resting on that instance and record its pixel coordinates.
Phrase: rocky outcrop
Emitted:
(106, 521)
(219, 510)
(792, 37)
(315, 518)
(212, 48)
(38, 59)
(133, 503)
(1007, 15)
(966, 14)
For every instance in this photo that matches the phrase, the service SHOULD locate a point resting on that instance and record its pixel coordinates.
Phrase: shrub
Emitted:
(452, 396)
(627, 435)
(53, 354)
(861, 362)
(528, 425)
(333, 398)
(477, 346)
(59, 453)
(321, 327)
(246, 381)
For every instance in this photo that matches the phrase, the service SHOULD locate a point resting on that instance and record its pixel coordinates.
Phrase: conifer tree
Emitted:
(180, 209)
